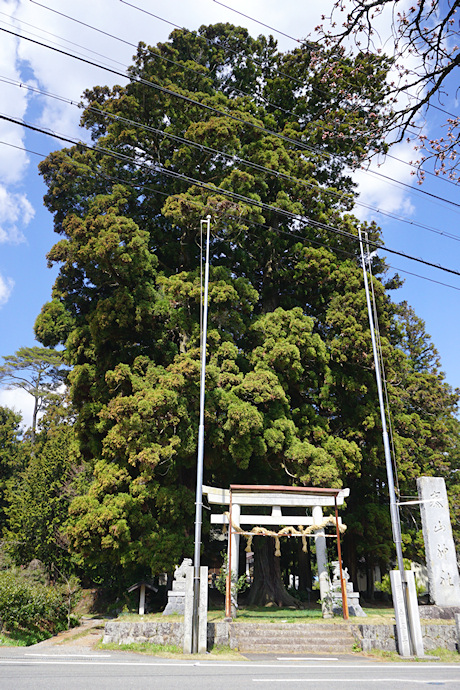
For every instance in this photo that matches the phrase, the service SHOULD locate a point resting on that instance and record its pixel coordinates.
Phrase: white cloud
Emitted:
(15, 211)
(63, 76)
(13, 100)
(380, 190)
(6, 288)
(19, 401)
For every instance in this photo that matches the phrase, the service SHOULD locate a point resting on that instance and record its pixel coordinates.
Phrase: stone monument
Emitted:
(354, 607)
(441, 559)
(176, 596)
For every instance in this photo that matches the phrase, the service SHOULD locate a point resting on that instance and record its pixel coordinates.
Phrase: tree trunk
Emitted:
(268, 587)
(350, 557)
(305, 578)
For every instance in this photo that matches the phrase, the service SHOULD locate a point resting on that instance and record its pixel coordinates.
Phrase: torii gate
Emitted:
(279, 497)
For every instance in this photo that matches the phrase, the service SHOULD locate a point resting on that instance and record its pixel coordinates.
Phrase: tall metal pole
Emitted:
(199, 467)
(396, 526)
(394, 511)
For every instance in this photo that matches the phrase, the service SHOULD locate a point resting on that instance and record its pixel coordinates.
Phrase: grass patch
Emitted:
(135, 618)
(276, 615)
(143, 648)
(171, 650)
(445, 655)
(23, 638)
(6, 641)
(82, 634)
(273, 614)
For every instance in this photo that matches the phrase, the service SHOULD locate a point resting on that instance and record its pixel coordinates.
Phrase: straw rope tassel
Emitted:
(277, 547)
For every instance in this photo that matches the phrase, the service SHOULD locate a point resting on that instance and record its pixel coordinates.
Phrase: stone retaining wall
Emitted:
(384, 637)
(220, 634)
(161, 632)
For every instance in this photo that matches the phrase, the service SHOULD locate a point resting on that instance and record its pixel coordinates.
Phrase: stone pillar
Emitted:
(188, 610)
(321, 559)
(234, 560)
(236, 512)
(404, 644)
(441, 560)
(203, 611)
(457, 625)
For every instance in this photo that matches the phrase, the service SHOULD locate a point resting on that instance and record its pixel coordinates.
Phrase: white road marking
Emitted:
(66, 656)
(306, 658)
(353, 680)
(414, 666)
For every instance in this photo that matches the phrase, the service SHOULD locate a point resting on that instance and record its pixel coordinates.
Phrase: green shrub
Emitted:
(30, 605)
(385, 584)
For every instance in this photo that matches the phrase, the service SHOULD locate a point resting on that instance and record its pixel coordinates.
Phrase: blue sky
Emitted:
(26, 232)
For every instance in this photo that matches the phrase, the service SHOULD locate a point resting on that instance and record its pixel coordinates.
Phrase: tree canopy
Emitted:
(38, 371)
(216, 122)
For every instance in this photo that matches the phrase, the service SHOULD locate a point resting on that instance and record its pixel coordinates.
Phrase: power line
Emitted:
(183, 66)
(170, 92)
(155, 167)
(288, 76)
(202, 147)
(154, 85)
(249, 222)
(190, 69)
(404, 184)
(61, 38)
(436, 107)
(309, 45)
(257, 62)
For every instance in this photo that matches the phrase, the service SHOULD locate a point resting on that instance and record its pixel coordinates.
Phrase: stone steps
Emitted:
(293, 638)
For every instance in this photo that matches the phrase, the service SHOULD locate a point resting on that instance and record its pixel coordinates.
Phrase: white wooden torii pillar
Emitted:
(278, 497)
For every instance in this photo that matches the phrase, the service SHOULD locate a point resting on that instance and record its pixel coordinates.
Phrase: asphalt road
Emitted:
(26, 670)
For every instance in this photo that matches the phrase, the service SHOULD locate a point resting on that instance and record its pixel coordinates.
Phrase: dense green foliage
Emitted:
(10, 454)
(290, 390)
(38, 500)
(31, 606)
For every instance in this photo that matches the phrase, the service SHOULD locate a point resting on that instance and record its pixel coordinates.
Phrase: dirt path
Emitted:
(84, 636)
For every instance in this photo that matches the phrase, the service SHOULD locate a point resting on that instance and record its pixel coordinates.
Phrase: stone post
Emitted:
(441, 560)
(321, 559)
(234, 560)
(457, 625)
(188, 610)
(203, 611)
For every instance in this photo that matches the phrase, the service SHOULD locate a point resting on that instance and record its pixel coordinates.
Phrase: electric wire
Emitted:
(295, 142)
(288, 76)
(298, 40)
(436, 107)
(247, 222)
(235, 158)
(60, 38)
(187, 68)
(164, 58)
(170, 92)
(155, 167)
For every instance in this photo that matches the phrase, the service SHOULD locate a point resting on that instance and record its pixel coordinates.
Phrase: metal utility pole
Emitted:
(394, 510)
(199, 468)
(386, 444)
